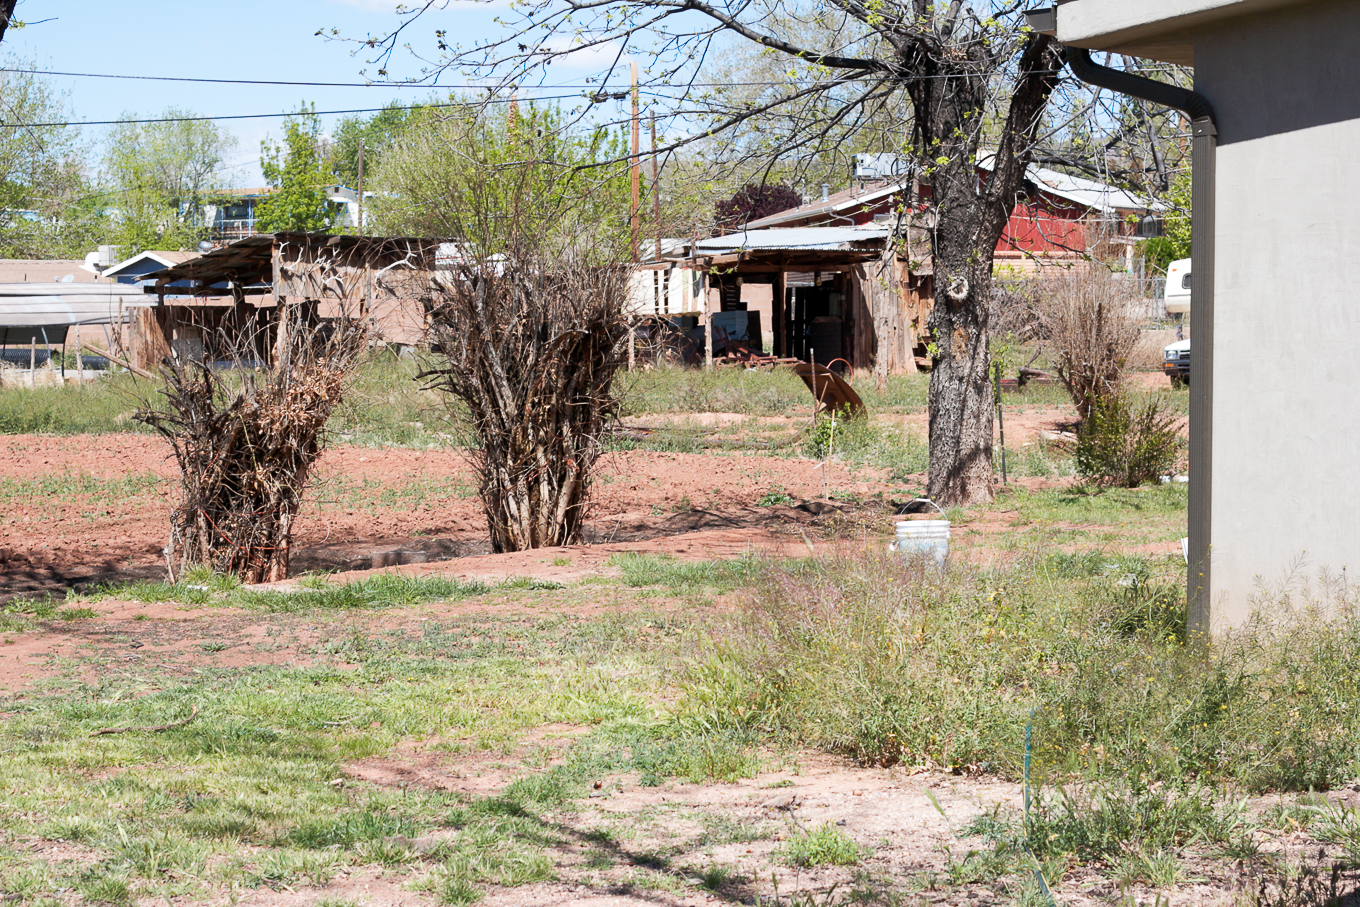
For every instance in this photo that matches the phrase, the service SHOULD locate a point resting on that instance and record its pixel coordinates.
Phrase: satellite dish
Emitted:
(69, 278)
(205, 246)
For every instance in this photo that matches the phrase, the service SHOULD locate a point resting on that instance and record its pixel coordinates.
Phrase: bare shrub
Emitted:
(530, 343)
(528, 327)
(1089, 324)
(246, 439)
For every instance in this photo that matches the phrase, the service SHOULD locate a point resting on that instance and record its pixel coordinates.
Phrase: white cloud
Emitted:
(592, 59)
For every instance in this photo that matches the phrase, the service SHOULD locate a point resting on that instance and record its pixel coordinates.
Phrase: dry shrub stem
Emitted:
(1089, 322)
(530, 344)
(246, 439)
(527, 324)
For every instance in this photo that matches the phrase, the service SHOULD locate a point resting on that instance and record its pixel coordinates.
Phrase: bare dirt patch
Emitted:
(370, 508)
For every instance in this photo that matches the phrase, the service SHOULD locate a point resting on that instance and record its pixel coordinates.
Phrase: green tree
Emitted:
(568, 169)
(158, 176)
(1174, 243)
(374, 134)
(296, 171)
(48, 209)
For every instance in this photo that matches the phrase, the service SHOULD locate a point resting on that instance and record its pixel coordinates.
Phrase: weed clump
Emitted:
(825, 845)
(891, 663)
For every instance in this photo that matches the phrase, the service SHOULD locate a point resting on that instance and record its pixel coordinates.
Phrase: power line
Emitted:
(435, 86)
(276, 82)
(264, 116)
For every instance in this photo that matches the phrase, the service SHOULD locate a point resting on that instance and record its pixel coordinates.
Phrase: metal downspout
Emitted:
(1204, 168)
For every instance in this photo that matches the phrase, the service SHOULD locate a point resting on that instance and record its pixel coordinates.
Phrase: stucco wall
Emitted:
(1286, 461)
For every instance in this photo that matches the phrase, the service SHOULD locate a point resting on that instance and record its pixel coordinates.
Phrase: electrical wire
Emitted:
(434, 85)
(264, 116)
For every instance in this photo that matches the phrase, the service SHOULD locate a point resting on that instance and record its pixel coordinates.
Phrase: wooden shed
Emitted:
(234, 293)
(827, 294)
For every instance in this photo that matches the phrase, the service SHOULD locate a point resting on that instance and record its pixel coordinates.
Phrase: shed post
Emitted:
(708, 326)
(779, 315)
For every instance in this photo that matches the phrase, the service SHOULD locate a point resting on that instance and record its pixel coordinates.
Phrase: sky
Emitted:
(212, 39)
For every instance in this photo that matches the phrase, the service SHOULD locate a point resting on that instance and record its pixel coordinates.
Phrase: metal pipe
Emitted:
(1204, 156)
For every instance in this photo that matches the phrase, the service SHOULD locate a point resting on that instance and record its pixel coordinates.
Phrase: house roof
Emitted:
(1088, 193)
(845, 202)
(164, 259)
(27, 270)
(795, 239)
(57, 306)
(1085, 192)
(1156, 29)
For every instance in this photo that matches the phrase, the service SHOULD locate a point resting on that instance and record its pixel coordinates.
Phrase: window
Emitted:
(1185, 281)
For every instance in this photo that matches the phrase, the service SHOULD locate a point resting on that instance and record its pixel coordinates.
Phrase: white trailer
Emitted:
(1176, 357)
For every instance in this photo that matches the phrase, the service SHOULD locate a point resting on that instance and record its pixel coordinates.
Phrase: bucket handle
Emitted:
(930, 502)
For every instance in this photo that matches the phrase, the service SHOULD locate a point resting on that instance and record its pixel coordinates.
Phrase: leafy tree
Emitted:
(159, 176)
(752, 202)
(374, 134)
(1174, 243)
(48, 208)
(420, 175)
(297, 172)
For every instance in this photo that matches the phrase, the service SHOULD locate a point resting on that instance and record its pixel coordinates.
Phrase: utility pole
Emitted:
(637, 166)
(360, 225)
(656, 190)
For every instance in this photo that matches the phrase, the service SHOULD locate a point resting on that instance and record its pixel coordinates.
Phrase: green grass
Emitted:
(98, 407)
(764, 392)
(380, 590)
(824, 845)
(682, 576)
(1126, 516)
(50, 488)
(168, 814)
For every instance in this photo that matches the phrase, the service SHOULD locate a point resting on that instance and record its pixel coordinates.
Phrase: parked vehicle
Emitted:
(1176, 356)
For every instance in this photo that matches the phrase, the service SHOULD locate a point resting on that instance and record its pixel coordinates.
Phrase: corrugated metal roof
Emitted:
(1090, 193)
(59, 305)
(795, 238)
(845, 200)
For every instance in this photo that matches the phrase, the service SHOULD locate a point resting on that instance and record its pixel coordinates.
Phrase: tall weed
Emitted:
(890, 662)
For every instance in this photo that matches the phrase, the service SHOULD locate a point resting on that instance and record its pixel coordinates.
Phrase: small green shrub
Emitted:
(776, 495)
(1104, 822)
(825, 845)
(1126, 444)
(348, 830)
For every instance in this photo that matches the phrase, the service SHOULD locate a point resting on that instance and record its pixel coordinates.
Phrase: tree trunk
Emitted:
(960, 393)
(6, 11)
(971, 213)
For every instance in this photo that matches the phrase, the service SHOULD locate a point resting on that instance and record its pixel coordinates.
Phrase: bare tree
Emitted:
(975, 80)
(246, 438)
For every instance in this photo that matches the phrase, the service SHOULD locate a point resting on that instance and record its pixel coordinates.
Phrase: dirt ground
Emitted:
(88, 509)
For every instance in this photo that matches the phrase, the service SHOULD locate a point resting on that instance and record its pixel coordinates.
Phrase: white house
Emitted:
(1275, 428)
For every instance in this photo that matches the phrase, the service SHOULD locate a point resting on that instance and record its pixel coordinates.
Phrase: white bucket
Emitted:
(929, 538)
